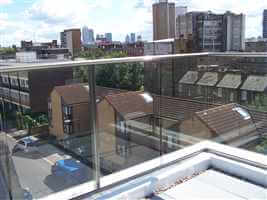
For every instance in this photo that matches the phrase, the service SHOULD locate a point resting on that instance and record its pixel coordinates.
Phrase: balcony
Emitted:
(151, 120)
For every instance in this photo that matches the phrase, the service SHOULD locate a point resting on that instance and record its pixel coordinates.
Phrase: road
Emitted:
(34, 170)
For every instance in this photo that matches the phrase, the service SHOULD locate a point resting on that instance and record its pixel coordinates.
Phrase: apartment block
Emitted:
(235, 31)
(71, 39)
(30, 90)
(212, 32)
(163, 20)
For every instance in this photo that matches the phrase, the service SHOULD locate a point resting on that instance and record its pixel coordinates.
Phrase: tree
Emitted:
(129, 76)
(30, 123)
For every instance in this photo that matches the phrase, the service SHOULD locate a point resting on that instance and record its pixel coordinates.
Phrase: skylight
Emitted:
(148, 98)
(243, 113)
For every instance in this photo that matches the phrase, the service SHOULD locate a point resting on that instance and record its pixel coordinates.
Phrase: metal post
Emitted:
(94, 123)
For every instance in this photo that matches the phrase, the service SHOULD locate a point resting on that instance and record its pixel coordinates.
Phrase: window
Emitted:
(219, 92)
(244, 95)
(67, 110)
(231, 96)
(68, 129)
(242, 112)
(5, 80)
(180, 88)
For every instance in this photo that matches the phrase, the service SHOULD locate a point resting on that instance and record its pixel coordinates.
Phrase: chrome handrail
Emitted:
(19, 67)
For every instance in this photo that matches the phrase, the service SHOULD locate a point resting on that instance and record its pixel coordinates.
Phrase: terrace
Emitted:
(123, 142)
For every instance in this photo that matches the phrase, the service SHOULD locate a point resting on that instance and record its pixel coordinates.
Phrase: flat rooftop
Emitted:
(203, 171)
(214, 185)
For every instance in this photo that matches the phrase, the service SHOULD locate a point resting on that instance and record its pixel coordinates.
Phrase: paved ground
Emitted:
(34, 170)
(215, 185)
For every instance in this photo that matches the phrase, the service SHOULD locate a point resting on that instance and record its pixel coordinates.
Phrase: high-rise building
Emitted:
(71, 39)
(87, 35)
(235, 32)
(133, 40)
(264, 24)
(180, 10)
(108, 37)
(127, 39)
(163, 20)
(212, 32)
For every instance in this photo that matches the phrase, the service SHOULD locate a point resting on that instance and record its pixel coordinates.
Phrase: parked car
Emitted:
(70, 169)
(26, 144)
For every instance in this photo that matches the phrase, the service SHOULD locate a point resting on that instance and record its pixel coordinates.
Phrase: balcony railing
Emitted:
(125, 111)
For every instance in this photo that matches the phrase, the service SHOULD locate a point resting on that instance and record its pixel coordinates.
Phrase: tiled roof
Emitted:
(178, 109)
(208, 79)
(225, 118)
(190, 77)
(230, 81)
(79, 93)
(255, 83)
(131, 104)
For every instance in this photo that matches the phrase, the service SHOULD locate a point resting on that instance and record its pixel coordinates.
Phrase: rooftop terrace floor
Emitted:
(214, 185)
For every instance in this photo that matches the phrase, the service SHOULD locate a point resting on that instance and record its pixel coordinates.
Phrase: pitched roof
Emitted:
(178, 109)
(208, 79)
(131, 104)
(255, 83)
(79, 93)
(230, 81)
(225, 118)
(190, 77)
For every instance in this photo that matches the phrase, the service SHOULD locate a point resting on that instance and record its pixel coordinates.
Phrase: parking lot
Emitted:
(33, 170)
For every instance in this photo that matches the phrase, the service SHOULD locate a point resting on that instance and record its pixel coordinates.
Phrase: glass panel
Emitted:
(138, 111)
(47, 132)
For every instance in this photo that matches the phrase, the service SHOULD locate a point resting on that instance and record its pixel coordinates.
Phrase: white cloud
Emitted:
(3, 2)
(44, 19)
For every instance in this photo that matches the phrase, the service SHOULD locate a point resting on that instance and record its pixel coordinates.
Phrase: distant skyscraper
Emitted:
(133, 40)
(264, 24)
(163, 20)
(87, 35)
(139, 38)
(108, 37)
(91, 36)
(127, 39)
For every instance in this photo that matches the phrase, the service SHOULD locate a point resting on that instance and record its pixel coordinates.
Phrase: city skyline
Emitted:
(41, 20)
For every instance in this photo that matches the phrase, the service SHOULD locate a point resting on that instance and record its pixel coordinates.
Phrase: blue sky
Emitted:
(42, 20)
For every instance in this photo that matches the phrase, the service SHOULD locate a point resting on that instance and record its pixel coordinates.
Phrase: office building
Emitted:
(264, 24)
(163, 20)
(108, 37)
(71, 39)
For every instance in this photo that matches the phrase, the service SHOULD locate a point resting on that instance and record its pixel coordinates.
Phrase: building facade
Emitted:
(108, 37)
(30, 90)
(235, 31)
(71, 39)
(212, 32)
(163, 20)
(264, 24)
